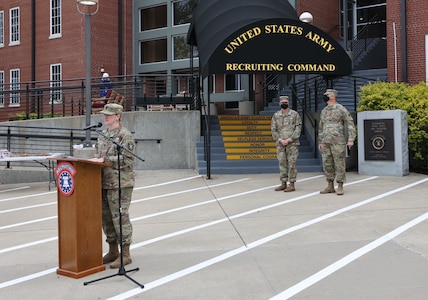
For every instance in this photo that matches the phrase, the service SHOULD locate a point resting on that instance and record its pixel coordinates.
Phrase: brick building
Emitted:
(44, 41)
(400, 23)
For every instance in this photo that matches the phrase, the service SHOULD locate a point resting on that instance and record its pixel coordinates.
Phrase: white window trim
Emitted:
(239, 84)
(13, 43)
(55, 82)
(1, 88)
(1, 28)
(55, 35)
(173, 15)
(17, 87)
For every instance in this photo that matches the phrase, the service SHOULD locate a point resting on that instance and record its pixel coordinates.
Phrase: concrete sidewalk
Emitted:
(233, 237)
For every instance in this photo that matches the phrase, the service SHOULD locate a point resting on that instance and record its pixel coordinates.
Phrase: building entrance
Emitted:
(361, 14)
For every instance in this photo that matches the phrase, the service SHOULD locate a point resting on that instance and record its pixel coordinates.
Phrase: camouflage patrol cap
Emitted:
(112, 109)
(331, 92)
(283, 99)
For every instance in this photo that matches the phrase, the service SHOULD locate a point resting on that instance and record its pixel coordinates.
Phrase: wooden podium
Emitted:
(79, 216)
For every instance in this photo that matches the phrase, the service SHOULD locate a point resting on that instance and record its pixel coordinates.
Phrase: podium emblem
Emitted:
(65, 173)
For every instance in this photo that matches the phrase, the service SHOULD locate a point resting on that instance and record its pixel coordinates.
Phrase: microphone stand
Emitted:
(122, 271)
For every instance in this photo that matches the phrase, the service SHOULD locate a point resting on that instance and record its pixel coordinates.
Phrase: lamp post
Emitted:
(88, 101)
(305, 17)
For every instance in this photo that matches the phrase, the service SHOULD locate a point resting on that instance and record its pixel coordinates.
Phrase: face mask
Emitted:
(284, 106)
(326, 98)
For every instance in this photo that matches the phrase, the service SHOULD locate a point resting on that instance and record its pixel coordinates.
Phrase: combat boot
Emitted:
(126, 258)
(290, 188)
(113, 253)
(329, 188)
(282, 187)
(340, 189)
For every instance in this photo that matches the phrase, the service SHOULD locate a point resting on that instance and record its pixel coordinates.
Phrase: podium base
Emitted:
(82, 273)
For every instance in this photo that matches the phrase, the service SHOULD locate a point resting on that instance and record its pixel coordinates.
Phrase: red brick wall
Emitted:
(14, 57)
(325, 13)
(69, 49)
(393, 61)
(416, 29)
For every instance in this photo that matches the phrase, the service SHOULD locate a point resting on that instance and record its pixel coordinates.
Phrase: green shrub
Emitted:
(31, 116)
(414, 100)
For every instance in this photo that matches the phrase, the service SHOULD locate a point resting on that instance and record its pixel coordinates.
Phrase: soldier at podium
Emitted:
(107, 152)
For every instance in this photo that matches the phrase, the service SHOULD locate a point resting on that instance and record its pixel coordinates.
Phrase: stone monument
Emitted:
(383, 143)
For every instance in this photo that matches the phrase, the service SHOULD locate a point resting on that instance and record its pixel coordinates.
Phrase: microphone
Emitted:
(89, 127)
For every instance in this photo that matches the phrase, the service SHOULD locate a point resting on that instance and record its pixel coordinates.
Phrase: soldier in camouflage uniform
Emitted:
(286, 126)
(107, 152)
(336, 132)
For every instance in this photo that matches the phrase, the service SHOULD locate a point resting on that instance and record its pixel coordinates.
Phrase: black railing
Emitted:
(41, 99)
(36, 140)
(372, 30)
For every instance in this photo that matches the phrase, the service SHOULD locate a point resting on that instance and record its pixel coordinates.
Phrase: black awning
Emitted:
(215, 20)
(250, 36)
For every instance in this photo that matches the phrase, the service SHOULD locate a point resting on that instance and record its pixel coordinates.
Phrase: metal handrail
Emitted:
(360, 41)
(40, 99)
(28, 139)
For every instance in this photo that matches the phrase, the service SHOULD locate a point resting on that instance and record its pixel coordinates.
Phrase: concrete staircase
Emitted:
(244, 145)
(344, 85)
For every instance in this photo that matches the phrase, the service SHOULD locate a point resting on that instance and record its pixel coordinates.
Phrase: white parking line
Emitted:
(220, 258)
(133, 201)
(27, 222)
(189, 190)
(28, 245)
(177, 233)
(304, 284)
(167, 183)
(26, 196)
(15, 189)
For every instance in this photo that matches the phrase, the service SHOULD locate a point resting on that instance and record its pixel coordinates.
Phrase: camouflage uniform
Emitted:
(110, 183)
(287, 126)
(335, 124)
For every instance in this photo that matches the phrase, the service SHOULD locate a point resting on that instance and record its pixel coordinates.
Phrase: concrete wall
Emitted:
(178, 133)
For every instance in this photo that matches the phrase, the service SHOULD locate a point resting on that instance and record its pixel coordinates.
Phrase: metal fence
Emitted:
(46, 99)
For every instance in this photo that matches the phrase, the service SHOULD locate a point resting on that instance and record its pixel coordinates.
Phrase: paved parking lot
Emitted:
(233, 237)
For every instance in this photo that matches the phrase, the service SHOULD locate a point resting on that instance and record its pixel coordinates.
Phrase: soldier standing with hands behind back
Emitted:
(335, 124)
(286, 126)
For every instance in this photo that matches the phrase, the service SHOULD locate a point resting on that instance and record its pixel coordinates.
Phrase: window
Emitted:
(231, 105)
(183, 11)
(1, 28)
(181, 48)
(14, 87)
(364, 17)
(1, 88)
(55, 18)
(373, 15)
(160, 85)
(153, 51)
(232, 82)
(14, 26)
(56, 84)
(182, 84)
(153, 17)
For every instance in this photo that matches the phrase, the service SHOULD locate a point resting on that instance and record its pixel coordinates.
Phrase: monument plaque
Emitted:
(379, 135)
(383, 147)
